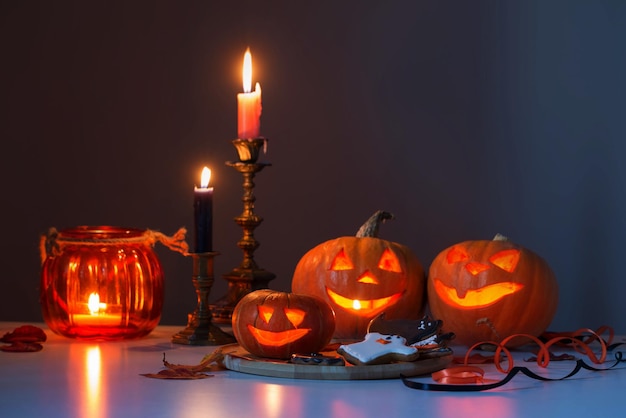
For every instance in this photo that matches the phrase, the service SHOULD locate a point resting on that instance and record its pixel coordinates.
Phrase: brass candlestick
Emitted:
(248, 276)
(200, 330)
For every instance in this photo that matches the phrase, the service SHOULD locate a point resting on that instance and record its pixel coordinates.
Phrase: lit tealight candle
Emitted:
(203, 213)
(94, 305)
(97, 315)
(249, 103)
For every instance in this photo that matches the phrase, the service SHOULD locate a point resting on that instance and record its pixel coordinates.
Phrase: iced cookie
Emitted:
(378, 349)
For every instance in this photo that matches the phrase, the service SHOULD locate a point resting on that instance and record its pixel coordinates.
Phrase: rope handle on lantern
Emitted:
(51, 244)
(467, 378)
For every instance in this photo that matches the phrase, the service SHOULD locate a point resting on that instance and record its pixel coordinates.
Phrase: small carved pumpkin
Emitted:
(273, 324)
(361, 277)
(489, 290)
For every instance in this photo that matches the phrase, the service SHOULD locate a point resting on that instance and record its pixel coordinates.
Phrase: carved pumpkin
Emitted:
(489, 290)
(269, 323)
(361, 277)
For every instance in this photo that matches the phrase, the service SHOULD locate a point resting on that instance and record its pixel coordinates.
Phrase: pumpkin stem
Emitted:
(370, 227)
(500, 237)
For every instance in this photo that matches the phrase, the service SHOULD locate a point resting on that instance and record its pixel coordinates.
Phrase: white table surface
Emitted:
(71, 378)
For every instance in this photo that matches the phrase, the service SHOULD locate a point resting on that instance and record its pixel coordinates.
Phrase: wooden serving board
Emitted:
(240, 360)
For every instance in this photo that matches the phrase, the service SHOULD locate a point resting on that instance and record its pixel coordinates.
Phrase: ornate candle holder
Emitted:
(248, 276)
(200, 330)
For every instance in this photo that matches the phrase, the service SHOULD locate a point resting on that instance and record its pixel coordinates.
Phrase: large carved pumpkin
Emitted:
(274, 324)
(488, 290)
(361, 277)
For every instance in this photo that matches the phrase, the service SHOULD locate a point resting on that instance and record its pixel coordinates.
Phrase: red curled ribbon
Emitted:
(471, 378)
(459, 375)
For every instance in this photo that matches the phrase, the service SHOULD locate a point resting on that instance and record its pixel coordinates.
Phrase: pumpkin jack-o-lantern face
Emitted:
(471, 297)
(488, 290)
(366, 281)
(362, 276)
(275, 324)
(278, 338)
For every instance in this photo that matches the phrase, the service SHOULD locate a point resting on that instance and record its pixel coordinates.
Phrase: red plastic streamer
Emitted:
(471, 378)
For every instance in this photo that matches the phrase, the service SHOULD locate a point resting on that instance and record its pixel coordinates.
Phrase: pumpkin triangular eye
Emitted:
(341, 262)
(507, 259)
(265, 312)
(295, 316)
(456, 254)
(474, 267)
(389, 261)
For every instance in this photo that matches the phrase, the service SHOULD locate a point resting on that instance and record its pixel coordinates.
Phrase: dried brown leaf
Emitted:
(174, 374)
(184, 371)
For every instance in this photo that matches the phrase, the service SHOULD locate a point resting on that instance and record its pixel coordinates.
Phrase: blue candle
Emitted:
(203, 214)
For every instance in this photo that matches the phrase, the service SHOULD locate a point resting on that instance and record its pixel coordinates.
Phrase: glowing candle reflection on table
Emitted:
(93, 406)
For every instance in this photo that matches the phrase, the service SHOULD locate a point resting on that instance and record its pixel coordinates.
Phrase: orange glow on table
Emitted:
(93, 380)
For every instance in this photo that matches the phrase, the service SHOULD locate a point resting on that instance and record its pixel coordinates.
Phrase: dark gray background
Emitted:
(462, 118)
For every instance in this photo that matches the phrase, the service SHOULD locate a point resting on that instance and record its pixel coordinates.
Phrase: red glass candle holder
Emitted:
(101, 282)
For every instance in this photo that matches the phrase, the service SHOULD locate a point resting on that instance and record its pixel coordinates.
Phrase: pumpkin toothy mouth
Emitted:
(476, 298)
(363, 307)
(276, 339)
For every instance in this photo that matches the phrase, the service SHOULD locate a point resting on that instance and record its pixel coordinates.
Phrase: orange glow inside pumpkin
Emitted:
(265, 312)
(507, 259)
(363, 307)
(476, 298)
(276, 339)
(295, 316)
(389, 261)
(273, 338)
(368, 278)
(474, 268)
(341, 262)
(456, 255)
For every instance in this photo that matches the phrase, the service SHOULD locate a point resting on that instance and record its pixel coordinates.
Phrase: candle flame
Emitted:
(356, 305)
(247, 71)
(94, 304)
(205, 177)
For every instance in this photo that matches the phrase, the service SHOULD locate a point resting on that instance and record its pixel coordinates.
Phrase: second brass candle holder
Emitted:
(200, 330)
(247, 277)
